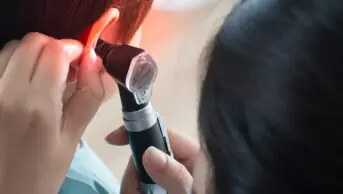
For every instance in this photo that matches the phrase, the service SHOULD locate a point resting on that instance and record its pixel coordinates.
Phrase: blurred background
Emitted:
(176, 33)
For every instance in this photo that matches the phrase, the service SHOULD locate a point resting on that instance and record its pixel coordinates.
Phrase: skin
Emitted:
(174, 175)
(201, 174)
(33, 79)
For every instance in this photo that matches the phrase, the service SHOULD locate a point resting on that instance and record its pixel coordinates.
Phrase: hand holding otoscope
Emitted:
(135, 71)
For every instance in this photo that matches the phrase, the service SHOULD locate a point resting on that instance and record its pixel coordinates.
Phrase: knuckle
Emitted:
(20, 106)
(34, 111)
(34, 37)
(55, 46)
(181, 172)
(38, 106)
(11, 44)
(5, 106)
(35, 114)
(7, 97)
(96, 95)
(28, 108)
(9, 109)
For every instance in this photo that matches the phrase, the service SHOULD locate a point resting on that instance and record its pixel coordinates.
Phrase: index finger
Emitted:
(53, 65)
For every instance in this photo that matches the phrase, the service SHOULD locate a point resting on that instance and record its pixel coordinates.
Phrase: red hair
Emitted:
(67, 18)
(133, 13)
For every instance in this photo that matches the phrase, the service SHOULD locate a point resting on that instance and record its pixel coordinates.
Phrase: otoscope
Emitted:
(135, 71)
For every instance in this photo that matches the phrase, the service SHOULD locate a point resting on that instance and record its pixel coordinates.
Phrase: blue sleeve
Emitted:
(89, 175)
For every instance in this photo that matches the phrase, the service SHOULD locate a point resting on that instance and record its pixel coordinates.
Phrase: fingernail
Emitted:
(156, 159)
(90, 60)
(73, 50)
(92, 55)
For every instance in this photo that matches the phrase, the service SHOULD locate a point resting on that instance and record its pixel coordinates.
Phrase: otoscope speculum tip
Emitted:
(131, 67)
(141, 76)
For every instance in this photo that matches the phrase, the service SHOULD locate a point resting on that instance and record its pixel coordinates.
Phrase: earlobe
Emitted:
(110, 17)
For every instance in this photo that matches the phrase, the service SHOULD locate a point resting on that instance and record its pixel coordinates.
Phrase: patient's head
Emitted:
(68, 18)
(271, 109)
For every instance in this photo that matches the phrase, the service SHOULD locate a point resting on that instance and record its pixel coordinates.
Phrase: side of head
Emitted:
(271, 107)
(68, 18)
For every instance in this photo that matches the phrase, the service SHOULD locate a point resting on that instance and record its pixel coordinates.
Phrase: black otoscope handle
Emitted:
(140, 141)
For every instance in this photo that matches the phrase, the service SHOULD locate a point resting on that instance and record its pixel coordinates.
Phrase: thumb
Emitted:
(167, 172)
(86, 99)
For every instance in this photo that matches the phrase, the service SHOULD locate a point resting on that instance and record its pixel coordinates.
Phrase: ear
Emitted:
(108, 18)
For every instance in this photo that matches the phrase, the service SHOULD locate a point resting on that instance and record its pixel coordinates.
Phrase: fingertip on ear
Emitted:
(89, 64)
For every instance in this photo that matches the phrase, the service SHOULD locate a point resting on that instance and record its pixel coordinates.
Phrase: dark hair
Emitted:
(271, 107)
(67, 18)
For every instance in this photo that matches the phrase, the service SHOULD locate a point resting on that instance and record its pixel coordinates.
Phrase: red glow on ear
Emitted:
(90, 36)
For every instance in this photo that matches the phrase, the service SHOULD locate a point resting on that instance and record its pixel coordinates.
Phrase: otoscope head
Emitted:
(132, 68)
